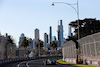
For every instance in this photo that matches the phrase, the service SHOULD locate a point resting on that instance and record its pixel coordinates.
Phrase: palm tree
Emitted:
(10, 39)
(25, 42)
(6, 42)
(39, 44)
(53, 45)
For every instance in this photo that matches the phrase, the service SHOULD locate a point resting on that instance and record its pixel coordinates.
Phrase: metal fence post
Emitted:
(90, 49)
(95, 47)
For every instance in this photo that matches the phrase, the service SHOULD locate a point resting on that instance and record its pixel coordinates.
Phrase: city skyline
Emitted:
(60, 33)
(50, 35)
(37, 36)
(23, 16)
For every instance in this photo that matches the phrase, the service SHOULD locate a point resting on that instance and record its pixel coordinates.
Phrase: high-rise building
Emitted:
(69, 31)
(60, 33)
(20, 39)
(36, 34)
(6, 35)
(45, 39)
(50, 35)
(34, 44)
(30, 43)
(54, 38)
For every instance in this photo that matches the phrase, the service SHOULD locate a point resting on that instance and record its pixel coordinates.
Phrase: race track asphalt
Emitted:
(39, 63)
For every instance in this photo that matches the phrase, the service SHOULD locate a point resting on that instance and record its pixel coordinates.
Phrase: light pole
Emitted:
(39, 48)
(76, 10)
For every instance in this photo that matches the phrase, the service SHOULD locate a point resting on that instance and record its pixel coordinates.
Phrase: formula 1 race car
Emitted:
(49, 62)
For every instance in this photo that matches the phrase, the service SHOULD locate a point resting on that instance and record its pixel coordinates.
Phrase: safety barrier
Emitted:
(90, 49)
(13, 60)
(69, 52)
(24, 59)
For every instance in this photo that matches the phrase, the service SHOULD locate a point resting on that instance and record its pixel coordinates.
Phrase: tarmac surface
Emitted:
(39, 63)
(33, 63)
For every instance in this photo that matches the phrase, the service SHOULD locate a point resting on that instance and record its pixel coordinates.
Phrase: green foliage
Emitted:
(72, 64)
(86, 27)
(10, 39)
(73, 39)
(39, 44)
(25, 42)
(53, 44)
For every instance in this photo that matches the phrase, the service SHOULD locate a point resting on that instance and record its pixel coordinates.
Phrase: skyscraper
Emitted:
(60, 33)
(50, 35)
(45, 39)
(69, 32)
(30, 43)
(36, 34)
(20, 39)
(54, 38)
(34, 44)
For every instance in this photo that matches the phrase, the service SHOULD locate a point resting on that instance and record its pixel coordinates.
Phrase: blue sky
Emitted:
(23, 16)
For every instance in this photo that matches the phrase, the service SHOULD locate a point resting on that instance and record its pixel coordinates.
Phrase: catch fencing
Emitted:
(90, 49)
(69, 52)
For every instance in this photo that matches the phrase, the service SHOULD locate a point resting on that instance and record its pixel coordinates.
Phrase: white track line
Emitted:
(20, 63)
(27, 64)
(14, 64)
(24, 62)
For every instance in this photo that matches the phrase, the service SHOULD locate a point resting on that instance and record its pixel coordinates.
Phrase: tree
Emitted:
(73, 39)
(10, 39)
(25, 42)
(86, 27)
(39, 44)
(53, 45)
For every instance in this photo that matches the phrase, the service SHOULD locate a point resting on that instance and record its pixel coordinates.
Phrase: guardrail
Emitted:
(14, 60)
(24, 59)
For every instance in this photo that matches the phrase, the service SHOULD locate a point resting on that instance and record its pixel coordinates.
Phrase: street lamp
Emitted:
(76, 10)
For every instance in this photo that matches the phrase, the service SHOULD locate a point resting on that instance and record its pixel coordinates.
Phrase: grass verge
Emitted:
(77, 65)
